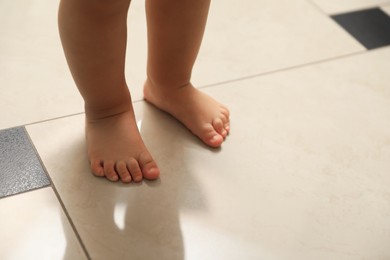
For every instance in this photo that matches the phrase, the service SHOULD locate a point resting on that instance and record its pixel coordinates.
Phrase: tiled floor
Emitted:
(304, 173)
(371, 27)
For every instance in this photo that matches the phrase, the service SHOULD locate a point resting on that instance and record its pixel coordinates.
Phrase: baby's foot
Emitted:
(116, 150)
(201, 114)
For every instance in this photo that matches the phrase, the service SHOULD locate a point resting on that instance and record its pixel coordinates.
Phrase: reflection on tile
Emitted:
(33, 226)
(241, 39)
(370, 27)
(336, 6)
(303, 175)
(138, 221)
(20, 168)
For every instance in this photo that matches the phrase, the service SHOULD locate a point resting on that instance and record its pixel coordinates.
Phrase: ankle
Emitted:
(96, 112)
(166, 85)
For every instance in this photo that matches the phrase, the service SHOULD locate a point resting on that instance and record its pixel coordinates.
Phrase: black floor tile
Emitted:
(20, 168)
(370, 27)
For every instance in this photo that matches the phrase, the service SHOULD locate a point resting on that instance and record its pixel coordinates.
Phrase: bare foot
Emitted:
(116, 150)
(201, 114)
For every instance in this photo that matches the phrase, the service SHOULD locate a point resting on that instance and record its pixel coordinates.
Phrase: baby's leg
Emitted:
(175, 31)
(93, 34)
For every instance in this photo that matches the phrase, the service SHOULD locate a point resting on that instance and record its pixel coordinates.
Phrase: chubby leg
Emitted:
(175, 32)
(93, 35)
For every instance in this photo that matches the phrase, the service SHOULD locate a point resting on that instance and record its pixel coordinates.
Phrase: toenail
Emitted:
(114, 178)
(138, 179)
(215, 138)
(152, 173)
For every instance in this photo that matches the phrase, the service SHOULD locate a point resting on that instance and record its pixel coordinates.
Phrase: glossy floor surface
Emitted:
(304, 173)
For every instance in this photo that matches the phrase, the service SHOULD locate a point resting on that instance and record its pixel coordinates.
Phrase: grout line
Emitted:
(56, 118)
(357, 9)
(52, 185)
(233, 80)
(25, 191)
(289, 68)
(319, 8)
(354, 10)
(70, 221)
(52, 119)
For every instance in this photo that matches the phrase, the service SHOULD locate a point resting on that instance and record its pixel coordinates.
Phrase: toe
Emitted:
(215, 141)
(227, 127)
(211, 137)
(124, 174)
(149, 167)
(219, 127)
(109, 171)
(226, 123)
(97, 168)
(225, 111)
(135, 170)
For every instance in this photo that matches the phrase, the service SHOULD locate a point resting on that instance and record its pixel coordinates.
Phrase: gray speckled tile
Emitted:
(20, 168)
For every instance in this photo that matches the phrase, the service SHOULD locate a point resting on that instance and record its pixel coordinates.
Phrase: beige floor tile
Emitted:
(303, 175)
(335, 7)
(245, 38)
(33, 226)
(386, 8)
(241, 39)
(34, 80)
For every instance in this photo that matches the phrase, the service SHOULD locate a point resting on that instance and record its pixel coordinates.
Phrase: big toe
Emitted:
(149, 167)
(211, 137)
(215, 141)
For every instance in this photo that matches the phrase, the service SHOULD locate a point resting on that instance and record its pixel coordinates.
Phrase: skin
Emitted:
(93, 35)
